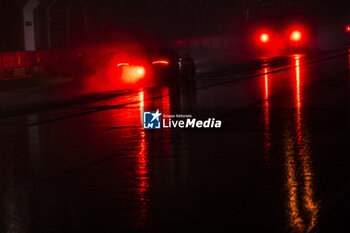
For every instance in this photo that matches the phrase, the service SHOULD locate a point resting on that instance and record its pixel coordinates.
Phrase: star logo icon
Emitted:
(156, 115)
(151, 120)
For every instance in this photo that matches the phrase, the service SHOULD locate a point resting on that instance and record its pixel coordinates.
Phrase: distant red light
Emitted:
(347, 28)
(163, 62)
(296, 35)
(264, 38)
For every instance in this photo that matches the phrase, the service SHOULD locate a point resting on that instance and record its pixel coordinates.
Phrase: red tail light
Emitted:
(347, 28)
(141, 71)
(163, 62)
(264, 38)
(133, 74)
(123, 64)
(296, 35)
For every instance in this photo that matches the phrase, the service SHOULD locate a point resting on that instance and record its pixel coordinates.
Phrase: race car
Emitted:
(149, 67)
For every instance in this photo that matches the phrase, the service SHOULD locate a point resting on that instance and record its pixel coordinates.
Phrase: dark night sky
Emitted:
(167, 19)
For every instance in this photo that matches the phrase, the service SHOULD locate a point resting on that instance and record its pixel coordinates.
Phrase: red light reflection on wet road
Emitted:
(142, 168)
(302, 208)
(142, 100)
(143, 160)
(349, 57)
(297, 75)
(267, 118)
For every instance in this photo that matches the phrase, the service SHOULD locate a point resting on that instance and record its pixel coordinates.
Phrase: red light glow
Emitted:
(141, 71)
(133, 74)
(264, 38)
(347, 28)
(296, 35)
(163, 62)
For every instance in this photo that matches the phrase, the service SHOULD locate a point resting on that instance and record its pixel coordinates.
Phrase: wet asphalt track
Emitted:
(279, 163)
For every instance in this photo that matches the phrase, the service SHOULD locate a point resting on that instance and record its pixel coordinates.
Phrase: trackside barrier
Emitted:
(28, 63)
